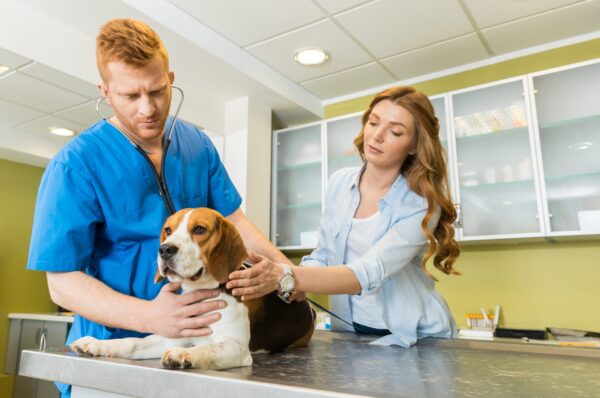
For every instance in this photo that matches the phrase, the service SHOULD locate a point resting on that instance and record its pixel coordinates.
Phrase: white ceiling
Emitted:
(227, 49)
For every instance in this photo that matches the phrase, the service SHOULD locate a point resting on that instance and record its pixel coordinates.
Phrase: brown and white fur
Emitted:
(200, 248)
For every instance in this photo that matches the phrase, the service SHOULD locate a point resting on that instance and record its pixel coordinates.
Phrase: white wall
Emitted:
(248, 157)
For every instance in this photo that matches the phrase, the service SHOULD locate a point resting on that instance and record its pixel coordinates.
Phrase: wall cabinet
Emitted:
(567, 113)
(523, 159)
(297, 186)
(494, 141)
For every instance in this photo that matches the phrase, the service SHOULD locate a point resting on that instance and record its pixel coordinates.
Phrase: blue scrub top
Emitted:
(99, 209)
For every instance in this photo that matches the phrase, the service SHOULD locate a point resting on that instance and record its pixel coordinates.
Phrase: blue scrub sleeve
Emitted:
(222, 194)
(65, 220)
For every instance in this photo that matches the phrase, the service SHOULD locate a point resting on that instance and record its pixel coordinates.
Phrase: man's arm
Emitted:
(254, 239)
(169, 314)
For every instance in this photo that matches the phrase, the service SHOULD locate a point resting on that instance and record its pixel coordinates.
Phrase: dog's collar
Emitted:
(245, 265)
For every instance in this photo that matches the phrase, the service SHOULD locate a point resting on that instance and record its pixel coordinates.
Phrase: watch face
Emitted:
(287, 283)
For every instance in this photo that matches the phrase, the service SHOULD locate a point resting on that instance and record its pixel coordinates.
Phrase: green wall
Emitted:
(20, 290)
(537, 284)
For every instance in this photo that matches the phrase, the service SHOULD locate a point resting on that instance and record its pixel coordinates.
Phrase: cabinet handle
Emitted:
(458, 222)
(43, 341)
(41, 338)
(549, 215)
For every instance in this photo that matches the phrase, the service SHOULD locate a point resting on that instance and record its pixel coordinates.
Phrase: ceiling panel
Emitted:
(279, 52)
(245, 22)
(12, 114)
(335, 6)
(493, 12)
(42, 126)
(61, 79)
(11, 59)
(355, 79)
(437, 57)
(85, 114)
(34, 93)
(555, 25)
(389, 27)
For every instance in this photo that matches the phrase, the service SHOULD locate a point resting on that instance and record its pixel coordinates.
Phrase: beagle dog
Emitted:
(200, 248)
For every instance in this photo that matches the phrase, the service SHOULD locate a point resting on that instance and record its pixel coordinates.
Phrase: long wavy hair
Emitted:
(426, 174)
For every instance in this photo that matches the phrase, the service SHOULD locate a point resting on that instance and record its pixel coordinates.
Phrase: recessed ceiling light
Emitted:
(3, 68)
(63, 132)
(581, 145)
(311, 56)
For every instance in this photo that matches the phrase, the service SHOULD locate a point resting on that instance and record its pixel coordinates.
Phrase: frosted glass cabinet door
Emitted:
(297, 186)
(568, 114)
(340, 143)
(439, 106)
(495, 169)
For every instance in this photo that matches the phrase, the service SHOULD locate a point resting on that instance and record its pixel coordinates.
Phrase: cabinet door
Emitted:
(30, 337)
(340, 143)
(297, 186)
(441, 112)
(494, 150)
(440, 108)
(567, 104)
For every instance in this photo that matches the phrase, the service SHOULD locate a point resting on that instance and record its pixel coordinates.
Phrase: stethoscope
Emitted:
(160, 178)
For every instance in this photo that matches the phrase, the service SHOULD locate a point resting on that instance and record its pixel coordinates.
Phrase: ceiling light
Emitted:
(311, 56)
(581, 145)
(63, 132)
(3, 68)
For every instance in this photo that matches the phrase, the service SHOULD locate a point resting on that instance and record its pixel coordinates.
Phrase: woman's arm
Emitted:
(396, 249)
(265, 275)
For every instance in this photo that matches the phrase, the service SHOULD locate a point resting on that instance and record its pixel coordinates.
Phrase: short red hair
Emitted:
(129, 41)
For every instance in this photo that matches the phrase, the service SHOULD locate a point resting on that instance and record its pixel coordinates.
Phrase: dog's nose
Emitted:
(167, 251)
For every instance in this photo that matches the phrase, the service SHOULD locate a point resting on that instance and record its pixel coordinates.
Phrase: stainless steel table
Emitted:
(344, 364)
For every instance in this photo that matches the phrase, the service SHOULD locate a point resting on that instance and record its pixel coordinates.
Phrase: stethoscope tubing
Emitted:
(163, 188)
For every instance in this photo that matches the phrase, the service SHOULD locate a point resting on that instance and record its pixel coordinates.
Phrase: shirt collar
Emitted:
(400, 182)
(358, 175)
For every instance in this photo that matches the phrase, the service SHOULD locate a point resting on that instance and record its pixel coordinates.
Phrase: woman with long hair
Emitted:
(382, 223)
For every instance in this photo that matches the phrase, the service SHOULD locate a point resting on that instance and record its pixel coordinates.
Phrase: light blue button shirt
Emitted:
(412, 309)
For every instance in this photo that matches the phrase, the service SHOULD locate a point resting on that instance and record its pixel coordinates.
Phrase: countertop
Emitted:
(344, 365)
(53, 317)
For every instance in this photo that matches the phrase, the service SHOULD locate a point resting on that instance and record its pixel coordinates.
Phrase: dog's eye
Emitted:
(199, 230)
(168, 231)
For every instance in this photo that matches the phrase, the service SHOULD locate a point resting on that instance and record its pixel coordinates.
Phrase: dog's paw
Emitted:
(177, 358)
(82, 345)
(102, 348)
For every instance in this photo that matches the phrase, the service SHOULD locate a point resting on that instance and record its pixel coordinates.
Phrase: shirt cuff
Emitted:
(371, 277)
(51, 266)
(310, 262)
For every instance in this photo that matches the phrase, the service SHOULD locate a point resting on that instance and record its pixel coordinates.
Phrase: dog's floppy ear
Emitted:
(228, 251)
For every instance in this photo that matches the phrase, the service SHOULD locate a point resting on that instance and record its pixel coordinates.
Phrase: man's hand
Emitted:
(183, 315)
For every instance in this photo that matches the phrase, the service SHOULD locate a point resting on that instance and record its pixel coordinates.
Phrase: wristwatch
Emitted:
(287, 283)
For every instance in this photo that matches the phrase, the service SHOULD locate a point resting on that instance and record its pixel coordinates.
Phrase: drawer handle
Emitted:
(41, 332)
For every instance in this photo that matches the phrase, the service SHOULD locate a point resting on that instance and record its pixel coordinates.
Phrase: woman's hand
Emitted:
(262, 278)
